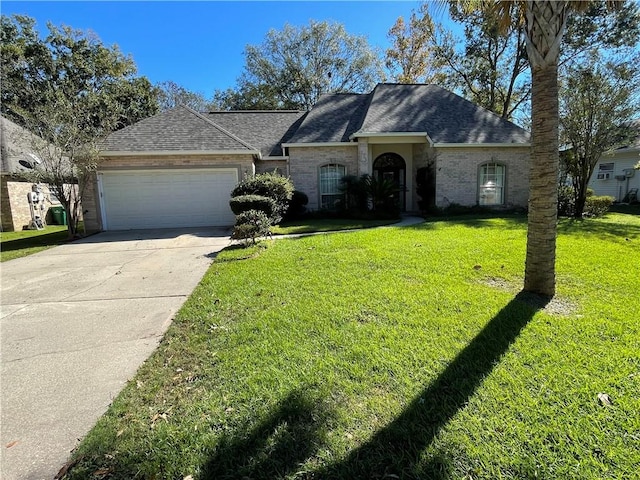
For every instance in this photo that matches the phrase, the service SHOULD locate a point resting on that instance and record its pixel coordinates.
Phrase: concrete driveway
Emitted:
(76, 323)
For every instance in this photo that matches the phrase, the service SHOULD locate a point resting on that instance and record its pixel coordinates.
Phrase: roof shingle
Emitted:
(443, 115)
(178, 129)
(265, 130)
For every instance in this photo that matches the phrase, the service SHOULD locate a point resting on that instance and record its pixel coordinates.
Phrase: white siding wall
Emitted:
(612, 187)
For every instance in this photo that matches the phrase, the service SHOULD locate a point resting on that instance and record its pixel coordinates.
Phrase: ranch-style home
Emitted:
(177, 168)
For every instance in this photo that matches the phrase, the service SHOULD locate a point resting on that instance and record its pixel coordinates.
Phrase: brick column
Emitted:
(364, 164)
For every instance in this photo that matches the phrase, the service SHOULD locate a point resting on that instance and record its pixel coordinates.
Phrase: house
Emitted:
(17, 157)
(614, 174)
(177, 168)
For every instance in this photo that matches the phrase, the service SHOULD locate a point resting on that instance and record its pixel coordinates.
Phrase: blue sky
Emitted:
(200, 45)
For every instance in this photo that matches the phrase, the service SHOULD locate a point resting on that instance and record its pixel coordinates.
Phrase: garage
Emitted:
(166, 198)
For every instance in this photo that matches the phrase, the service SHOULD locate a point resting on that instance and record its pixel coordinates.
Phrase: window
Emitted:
(491, 191)
(330, 194)
(606, 167)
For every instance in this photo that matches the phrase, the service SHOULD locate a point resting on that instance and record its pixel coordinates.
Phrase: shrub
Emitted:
(250, 225)
(244, 203)
(566, 201)
(297, 205)
(272, 185)
(597, 206)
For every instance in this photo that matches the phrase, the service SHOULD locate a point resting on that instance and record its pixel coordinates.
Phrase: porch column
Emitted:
(364, 165)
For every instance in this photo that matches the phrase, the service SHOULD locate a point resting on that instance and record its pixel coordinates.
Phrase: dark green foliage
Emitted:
(278, 188)
(566, 201)
(297, 205)
(381, 193)
(244, 203)
(356, 199)
(251, 225)
(594, 206)
(597, 206)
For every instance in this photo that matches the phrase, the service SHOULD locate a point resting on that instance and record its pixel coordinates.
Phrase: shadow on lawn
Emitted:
(292, 434)
(277, 446)
(45, 240)
(394, 451)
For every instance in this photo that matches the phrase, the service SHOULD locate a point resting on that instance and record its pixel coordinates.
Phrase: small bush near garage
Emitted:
(278, 188)
(251, 225)
(244, 203)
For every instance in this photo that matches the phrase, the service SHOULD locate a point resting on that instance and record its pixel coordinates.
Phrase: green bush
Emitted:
(597, 206)
(278, 188)
(566, 201)
(244, 203)
(250, 225)
(297, 205)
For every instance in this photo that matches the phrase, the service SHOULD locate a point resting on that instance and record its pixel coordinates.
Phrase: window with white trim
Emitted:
(491, 184)
(330, 194)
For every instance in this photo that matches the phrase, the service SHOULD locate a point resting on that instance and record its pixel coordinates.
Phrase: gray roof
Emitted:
(443, 115)
(15, 147)
(389, 108)
(333, 119)
(265, 130)
(178, 129)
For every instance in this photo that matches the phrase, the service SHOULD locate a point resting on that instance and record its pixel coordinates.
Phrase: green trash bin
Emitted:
(59, 215)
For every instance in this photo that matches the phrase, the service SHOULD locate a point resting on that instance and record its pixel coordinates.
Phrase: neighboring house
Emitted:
(17, 157)
(614, 174)
(177, 168)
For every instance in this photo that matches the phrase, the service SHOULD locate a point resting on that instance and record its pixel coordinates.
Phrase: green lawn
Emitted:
(392, 353)
(26, 242)
(326, 225)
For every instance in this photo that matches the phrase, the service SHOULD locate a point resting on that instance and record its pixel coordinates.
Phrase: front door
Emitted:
(392, 167)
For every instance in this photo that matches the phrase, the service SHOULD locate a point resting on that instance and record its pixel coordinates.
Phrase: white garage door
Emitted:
(135, 199)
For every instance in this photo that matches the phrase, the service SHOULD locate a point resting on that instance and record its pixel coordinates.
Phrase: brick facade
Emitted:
(16, 214)
(305, 163)
(457, 172)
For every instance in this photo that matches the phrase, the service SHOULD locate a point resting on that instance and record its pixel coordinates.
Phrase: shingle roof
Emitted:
(178, 129)
(333, 119)
(443, 115)
(265, 130)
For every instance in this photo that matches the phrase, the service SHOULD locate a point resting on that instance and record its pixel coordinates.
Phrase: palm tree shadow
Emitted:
(394, 451)
(276, 447)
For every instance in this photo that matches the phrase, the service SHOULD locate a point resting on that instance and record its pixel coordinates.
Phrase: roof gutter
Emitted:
(356, 135)
(480, 145)
(164, 153)
(320, 144)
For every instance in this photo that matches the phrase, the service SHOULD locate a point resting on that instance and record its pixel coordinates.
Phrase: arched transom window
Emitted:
(491, 184)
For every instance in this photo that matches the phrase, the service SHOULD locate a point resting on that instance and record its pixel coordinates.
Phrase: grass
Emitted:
(392, 353)
(27, 242)
(326, 225)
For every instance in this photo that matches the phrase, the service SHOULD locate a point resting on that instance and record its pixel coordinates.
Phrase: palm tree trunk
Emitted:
(543, 183)
(545, 22)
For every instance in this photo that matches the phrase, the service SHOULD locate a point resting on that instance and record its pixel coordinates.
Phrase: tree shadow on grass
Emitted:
(277, 446)
(395, 450)
(45, 240)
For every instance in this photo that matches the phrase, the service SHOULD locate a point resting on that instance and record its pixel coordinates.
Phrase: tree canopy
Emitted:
(171, 95)
(597, 103)
(74, 65)
(70, 91)
(295, 65)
